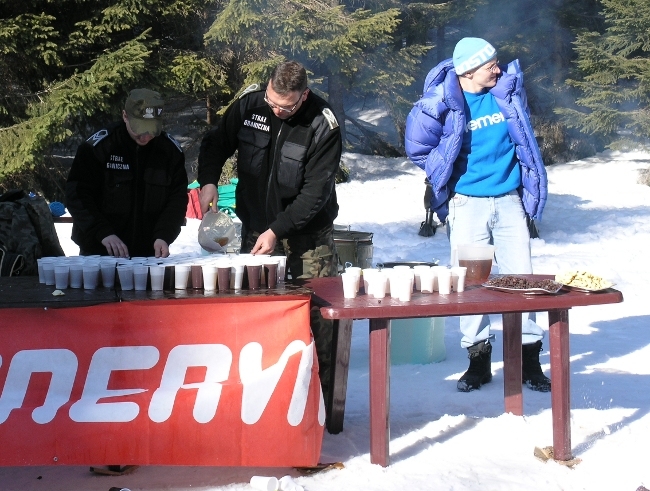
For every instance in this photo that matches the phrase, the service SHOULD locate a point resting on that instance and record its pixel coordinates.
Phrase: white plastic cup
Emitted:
(40, 262)
(286, 483)
(403, 281)
(282, 267)
(209, 277)
(237, 276)
(90, 275)
(48, 273)
(444, 281)
(140, 276)
(350, 282)
(436, 269)
(61, 276)
(458, 274)
(157, 274)
(379, 286)
(125, 273)
(427, 277)
(76, 275)
(181, 274)
(356, 271)
(108, 273)
(264, 483)
(366, 274)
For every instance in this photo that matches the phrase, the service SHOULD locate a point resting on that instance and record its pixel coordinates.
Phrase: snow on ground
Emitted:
(597, 218)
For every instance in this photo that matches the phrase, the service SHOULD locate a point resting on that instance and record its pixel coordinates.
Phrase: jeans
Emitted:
(499, 221)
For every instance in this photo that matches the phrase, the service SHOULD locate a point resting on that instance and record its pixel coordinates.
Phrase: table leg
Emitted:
(561, 390)
(512, 364)
(379, 391)
(341, 340)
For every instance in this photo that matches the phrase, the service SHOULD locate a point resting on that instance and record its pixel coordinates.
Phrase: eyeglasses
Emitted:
(283, 109)
(494, 67)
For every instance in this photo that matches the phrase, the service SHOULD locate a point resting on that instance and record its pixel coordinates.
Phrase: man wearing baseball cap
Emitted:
(472, 134)
(127, 188)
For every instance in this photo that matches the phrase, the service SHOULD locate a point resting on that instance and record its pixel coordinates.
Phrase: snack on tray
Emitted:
(519, 283)
(583, 279)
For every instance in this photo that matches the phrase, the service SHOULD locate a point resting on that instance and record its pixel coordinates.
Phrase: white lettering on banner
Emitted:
(104, 361)
(483, 121)
(61, 363)
(217, 358)
(259, 384)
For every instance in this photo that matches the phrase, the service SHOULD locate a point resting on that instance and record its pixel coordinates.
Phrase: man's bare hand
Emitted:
(160, 248)
(208, 197)
(115, 246)
(265, 243)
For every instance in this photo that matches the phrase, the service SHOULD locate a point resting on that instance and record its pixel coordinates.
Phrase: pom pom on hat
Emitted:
(471, 53)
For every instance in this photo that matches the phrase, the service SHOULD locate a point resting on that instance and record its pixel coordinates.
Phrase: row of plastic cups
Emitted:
(401, 281)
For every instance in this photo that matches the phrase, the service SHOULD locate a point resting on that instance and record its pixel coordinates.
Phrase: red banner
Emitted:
(231, 382)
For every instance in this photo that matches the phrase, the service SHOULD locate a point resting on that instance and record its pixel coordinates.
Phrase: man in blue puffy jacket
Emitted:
(471, 133)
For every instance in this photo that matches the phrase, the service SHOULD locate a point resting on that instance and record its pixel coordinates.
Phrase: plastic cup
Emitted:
(48, 273)
(76, 275)
(264, 483)
(40, 262)
(477, 258)
(125, 274)
(157, 275)
(417, 272)
(236, 276)
(209, 277)
(444, 281)
(366, 273)
(356, 271)
(282, 267)
(90, 275)
(61, 276)
(436, 270)
(427, 277)
(196, 273)
(181, 275)
(108, 273)
(271, 271)
(253, 272)
(350, 283)
(169, 282)
(223, 277)
(140, 276)
(401, 285)
(458, 274)
(377, 284)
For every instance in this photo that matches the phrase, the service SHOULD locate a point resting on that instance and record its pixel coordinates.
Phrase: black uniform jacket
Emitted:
(286, 168)
(116, 186)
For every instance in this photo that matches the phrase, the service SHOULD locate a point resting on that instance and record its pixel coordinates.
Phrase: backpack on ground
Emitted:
(26, 230)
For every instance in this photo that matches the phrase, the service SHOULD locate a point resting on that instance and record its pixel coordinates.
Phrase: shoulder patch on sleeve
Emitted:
(331, 119)
(97, 137)
(249, 89)
(173, 140)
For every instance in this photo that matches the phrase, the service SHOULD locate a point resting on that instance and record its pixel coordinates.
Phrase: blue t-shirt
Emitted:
(486, 164)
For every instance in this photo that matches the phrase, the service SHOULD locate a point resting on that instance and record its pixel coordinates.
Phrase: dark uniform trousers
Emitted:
(311, 255)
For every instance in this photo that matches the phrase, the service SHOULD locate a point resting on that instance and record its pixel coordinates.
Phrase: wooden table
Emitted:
(475, 300)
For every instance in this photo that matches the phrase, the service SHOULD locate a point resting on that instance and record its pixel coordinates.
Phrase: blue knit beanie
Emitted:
(471, 53)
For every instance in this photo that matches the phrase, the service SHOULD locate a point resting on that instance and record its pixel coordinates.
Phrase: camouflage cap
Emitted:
(144, 109)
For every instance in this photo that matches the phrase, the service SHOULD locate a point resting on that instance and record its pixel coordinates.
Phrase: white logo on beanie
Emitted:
(471, 53)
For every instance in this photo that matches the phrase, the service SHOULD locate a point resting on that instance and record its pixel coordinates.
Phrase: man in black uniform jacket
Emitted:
(127, 188)
(289, 147)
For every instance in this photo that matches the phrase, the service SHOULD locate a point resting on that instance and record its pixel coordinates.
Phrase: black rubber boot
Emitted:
(480, 367)
(531, 370)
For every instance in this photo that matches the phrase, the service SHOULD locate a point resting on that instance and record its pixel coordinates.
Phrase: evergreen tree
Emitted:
(67, 65)
(345, 47)
(614, 76)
